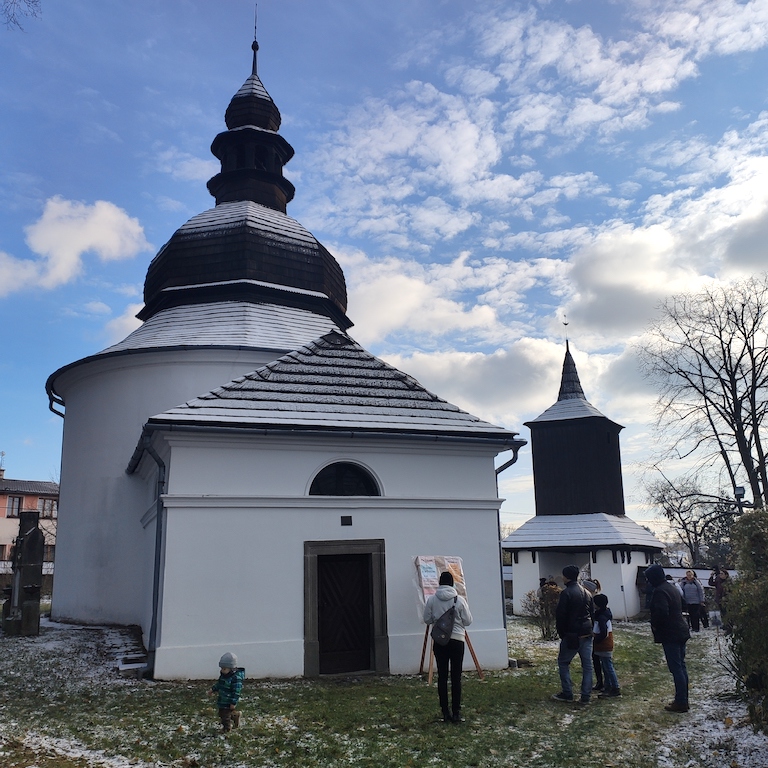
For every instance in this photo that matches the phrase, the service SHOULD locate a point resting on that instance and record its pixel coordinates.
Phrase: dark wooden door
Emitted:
(344, 613)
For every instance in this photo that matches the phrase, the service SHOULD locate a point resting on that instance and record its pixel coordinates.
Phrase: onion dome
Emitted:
(247, 248)
(251, 152)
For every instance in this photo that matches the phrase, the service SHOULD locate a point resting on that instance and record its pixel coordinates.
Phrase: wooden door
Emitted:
(344, 625)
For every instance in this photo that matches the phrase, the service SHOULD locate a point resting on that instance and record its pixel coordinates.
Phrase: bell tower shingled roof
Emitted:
(576, 454)
(570, 386)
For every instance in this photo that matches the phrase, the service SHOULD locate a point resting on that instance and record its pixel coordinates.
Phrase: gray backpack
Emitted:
(443, 627)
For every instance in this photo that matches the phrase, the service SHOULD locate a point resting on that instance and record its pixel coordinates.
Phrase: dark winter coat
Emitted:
(229, 687)
(667, 621)
(575, 611)
(603, 630)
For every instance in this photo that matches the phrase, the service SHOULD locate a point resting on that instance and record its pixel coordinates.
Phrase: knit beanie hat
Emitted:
(446, 579)
(601, 600)
(228, 660)
(571, 572)
(654, 574)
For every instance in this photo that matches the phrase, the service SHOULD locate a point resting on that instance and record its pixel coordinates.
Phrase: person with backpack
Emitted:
(228, 687)
(449, 657)
(574, 619)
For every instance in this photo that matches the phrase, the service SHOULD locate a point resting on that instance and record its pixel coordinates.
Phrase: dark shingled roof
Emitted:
(332, 384)
(571, 401)
(29, 487)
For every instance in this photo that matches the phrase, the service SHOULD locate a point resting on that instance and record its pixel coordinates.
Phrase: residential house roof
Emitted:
(29, 487)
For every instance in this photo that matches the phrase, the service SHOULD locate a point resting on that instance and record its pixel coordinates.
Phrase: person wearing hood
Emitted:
(670, 628)
(574, 618)
(449, 658)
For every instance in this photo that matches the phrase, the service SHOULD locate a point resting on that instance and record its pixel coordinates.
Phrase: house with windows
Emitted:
(20, 495)
(239, 474)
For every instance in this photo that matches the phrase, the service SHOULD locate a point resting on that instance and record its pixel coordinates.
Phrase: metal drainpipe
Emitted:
(499, 470)
(159, 531)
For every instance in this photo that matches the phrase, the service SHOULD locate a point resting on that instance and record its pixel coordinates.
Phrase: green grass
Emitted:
(48, 688)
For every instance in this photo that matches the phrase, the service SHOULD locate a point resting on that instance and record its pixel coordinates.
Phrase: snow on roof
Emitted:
(272, 223)
(229, 324)
(581, 531)
(253, 87)
(568, 409)
(331, 384)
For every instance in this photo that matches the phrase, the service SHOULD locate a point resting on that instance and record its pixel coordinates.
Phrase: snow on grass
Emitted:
(63, 702)
(716, 732)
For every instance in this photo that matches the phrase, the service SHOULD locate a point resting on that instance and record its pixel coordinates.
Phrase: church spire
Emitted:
(570, 386)
(251, 151)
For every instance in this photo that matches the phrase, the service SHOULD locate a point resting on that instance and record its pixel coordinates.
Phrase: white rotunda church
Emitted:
(238, 474)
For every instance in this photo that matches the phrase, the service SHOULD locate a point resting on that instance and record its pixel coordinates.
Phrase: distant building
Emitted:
(580, 517)
(238, 474)
(18, 495)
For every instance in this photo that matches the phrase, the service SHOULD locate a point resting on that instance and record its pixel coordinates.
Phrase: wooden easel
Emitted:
(432, 655)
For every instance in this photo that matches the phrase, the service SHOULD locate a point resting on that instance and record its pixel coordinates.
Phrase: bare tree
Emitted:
(698, 518)
(541, 606)
(14, 11)
(708, 355)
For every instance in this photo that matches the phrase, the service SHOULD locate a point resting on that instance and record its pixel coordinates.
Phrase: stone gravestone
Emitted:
(21, 611)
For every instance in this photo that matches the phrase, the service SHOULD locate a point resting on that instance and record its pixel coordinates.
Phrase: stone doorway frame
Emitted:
(380, 646)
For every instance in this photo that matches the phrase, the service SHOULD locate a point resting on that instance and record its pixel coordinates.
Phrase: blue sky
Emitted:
(480, 171)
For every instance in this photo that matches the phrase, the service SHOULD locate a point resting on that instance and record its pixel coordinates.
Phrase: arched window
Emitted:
(343, 479)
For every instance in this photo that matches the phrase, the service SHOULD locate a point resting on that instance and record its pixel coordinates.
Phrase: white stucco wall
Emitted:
(617, 580)
(238, 515)
(101, 548)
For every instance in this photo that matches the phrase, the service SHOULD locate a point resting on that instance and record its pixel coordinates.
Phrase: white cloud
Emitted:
(185, 167)
(119, 327)
(66, 231)
(393, 296)
(97, 308)
(17, 274)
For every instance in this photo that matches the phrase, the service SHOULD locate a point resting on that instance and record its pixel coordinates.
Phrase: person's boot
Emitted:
(456, 717)
(447, 717)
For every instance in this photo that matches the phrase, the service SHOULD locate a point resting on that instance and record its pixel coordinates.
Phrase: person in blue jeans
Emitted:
(670, 628)
(574, 618)
(602, 647)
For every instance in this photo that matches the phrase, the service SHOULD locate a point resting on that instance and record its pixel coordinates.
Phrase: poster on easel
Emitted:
(428, 570)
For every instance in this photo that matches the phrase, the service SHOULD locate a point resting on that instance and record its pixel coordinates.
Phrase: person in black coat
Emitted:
(574, 618)
(670, 628)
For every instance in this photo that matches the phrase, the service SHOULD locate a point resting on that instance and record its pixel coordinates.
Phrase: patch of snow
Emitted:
(716, 732)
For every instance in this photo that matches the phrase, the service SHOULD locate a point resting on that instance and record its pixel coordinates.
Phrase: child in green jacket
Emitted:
(228, 686)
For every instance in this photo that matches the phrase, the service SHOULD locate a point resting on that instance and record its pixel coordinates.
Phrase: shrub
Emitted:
(746, 607)
(541, 607)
